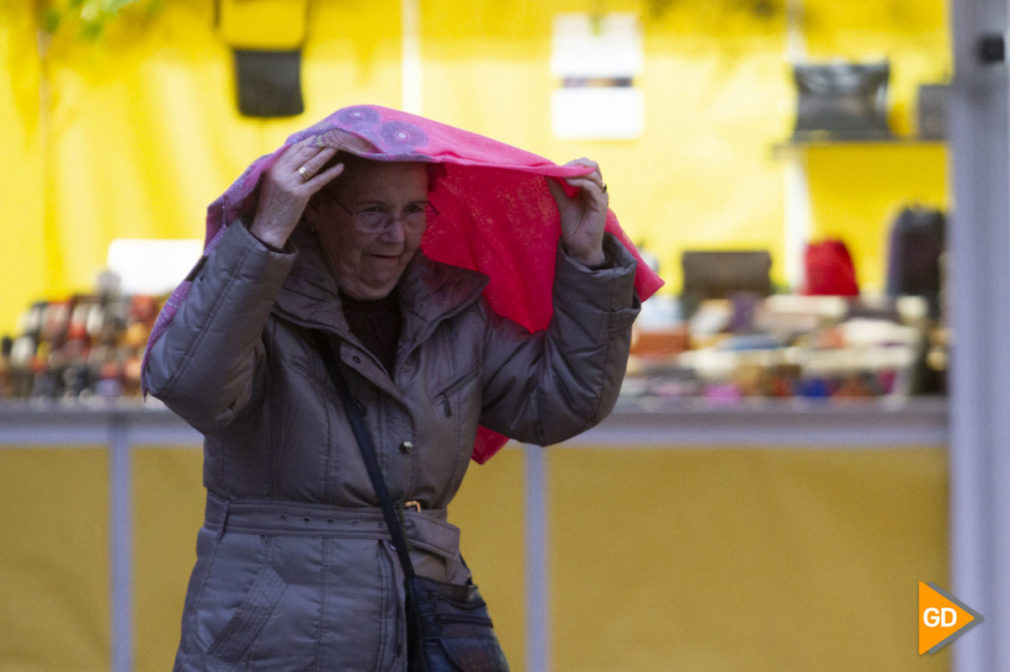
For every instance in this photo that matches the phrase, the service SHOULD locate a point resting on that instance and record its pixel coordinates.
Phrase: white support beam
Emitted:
(410, 63)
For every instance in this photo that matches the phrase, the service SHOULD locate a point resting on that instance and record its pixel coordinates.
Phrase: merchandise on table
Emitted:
(790, 346)
(89, 345)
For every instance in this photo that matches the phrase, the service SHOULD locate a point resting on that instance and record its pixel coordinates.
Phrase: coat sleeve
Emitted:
(548, 386)
(205, 366)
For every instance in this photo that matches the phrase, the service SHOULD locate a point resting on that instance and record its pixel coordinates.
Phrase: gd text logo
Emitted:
(942, 618)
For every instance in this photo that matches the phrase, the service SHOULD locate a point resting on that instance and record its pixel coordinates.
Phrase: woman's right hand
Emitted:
(287, 187)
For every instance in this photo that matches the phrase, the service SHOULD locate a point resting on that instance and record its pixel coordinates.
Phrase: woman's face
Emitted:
(368, 265)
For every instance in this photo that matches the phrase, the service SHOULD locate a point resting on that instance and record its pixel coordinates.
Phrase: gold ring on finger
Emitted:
(603, 188)
(305, 173)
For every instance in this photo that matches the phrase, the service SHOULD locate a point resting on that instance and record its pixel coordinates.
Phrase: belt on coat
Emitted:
(426, 529)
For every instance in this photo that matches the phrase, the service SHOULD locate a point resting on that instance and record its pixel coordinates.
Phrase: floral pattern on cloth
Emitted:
(496, 213)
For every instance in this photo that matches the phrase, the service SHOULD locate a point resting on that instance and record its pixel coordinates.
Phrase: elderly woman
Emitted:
(295, 569)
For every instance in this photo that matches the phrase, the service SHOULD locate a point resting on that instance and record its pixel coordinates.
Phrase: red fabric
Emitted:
(496, 214)
(830, 270)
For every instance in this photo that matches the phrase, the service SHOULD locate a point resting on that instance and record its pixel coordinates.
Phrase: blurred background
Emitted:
(776, 478)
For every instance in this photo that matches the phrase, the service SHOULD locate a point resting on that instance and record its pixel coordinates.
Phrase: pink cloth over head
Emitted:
(496, 213)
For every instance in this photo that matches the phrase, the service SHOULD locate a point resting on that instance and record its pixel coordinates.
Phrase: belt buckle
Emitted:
(413, 504)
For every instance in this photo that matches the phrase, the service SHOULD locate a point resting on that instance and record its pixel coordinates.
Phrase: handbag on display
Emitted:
(448, 626)
(916, 247)
(829, 269)
(719, 274)
(932, 111)
(842, 100)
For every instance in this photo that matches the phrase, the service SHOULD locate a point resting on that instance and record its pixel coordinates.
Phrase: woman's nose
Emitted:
(394, 231)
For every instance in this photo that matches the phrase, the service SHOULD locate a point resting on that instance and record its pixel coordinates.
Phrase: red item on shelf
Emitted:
(829, 269)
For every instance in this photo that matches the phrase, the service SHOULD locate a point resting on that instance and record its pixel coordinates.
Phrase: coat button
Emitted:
(406, 447)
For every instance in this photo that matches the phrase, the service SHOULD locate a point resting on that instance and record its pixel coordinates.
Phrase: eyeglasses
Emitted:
(374, 219)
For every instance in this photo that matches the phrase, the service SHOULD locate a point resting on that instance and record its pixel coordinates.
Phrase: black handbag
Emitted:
(448, 626)
(916, 247)
(842, 100)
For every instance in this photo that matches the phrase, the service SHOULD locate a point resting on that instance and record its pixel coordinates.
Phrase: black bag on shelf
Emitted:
(717, 274)
(915, 253)
(931, 111)
(842, 101)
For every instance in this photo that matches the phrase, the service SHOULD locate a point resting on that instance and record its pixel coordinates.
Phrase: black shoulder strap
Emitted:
(354, 417)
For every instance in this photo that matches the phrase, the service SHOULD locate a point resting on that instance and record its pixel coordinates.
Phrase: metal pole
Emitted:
(538, 634)
(798, 216)
(120, 546)
(979, 240)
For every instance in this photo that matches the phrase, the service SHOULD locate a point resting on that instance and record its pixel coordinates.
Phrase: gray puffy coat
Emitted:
(294, 566)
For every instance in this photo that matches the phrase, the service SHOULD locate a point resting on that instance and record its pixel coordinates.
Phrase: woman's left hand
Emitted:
(584, 215)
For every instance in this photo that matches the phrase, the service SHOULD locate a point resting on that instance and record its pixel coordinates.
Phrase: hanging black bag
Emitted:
(448, 626)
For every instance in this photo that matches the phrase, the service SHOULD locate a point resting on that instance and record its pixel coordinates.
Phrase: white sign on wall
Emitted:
(596, 59)
(152, 266)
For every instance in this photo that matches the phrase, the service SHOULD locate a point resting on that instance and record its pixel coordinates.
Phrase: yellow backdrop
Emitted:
(134, 133)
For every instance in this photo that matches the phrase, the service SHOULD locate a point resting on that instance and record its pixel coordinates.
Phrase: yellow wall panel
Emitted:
(54, 569)
(744, 560)
(168, 511)
(24, 273)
